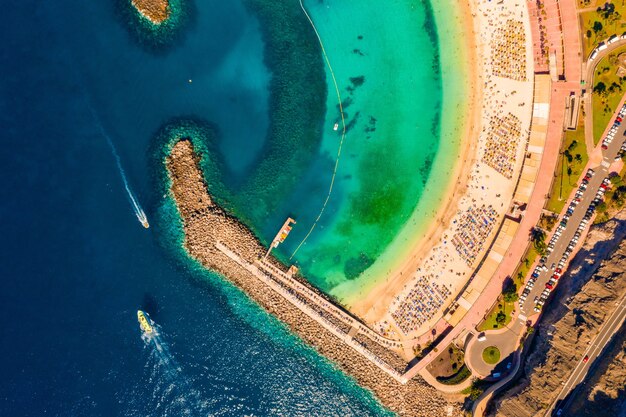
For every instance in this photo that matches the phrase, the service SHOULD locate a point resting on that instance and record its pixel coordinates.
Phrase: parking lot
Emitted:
(578, 215)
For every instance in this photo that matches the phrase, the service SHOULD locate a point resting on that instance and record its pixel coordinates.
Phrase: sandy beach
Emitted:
(382, 293)
(414, 294)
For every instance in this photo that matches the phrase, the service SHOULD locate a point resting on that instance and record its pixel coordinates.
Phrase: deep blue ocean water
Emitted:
(75, 264)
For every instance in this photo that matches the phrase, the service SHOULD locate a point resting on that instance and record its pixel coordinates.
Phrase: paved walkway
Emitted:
(448, 389)
(571, 41)
(559, 37)
(572, 68)
(288, 288)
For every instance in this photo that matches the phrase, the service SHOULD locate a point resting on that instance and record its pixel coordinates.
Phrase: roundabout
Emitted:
(491, 355)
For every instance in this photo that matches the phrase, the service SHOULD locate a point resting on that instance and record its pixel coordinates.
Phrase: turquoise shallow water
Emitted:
(386, 62)
(388, 75)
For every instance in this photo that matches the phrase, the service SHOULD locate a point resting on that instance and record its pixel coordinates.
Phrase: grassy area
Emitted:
(547, 222)
(572, 161)
(457, 378)
(491, 355)
(498, 317)
(597, 26)
(607, 92)
(448, 364)
(524, 267)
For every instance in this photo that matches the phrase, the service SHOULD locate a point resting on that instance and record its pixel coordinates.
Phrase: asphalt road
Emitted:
(588, 74)
(601, 172)
(610, 327)
(506, 340)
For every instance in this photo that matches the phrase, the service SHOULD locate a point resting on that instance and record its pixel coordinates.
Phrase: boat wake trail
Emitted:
(161, 356)
(173, 393)
(139, 213)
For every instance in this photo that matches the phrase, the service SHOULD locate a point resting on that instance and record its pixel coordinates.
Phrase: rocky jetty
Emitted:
(585, 298)
(205, 224)
(156, 11)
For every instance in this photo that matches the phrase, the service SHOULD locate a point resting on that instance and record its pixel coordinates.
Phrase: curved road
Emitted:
(506, 340)
(588, 77)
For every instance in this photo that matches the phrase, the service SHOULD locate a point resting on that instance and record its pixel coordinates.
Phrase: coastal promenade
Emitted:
(292, 292)
(562, 44)
(431, 299)
(482, 305)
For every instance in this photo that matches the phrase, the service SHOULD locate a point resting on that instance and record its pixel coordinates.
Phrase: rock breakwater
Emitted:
(207, 225)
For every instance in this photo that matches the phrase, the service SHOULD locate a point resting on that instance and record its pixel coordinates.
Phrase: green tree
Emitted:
(607, 11)
(600, 88)
(619, 196)
(597, 27)
(510, 295)
(475, 390)
(617, 181)
(568, 156)
(538, 237)
(614, 87)
(500, 318)
(510, 291)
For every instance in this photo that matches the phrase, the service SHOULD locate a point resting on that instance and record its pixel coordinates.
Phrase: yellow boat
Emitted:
(144, 322)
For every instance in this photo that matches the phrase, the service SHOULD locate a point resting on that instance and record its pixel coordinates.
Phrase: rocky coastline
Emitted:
(205, 224)
(156, 11)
